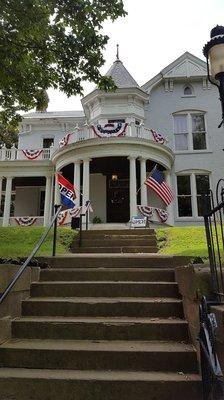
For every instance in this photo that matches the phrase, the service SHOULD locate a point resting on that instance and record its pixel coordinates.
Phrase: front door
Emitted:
(118, 200)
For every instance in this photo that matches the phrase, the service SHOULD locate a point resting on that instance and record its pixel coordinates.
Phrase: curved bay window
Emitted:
(190, 131)
(190, 191)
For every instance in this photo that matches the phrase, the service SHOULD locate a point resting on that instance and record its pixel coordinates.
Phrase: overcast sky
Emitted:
(152, 35)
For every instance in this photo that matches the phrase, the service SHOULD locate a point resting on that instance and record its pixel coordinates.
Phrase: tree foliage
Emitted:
(50, 43)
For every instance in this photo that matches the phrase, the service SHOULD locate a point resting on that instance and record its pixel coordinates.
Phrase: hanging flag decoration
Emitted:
(146, 211)
(158, 137)
(25, 221)
(162, 214)
(156, 182)
(65, 140)
(32, 154)
(67, 191)
(62, 217)
(114, 129)
(75, 212)
(87, 207)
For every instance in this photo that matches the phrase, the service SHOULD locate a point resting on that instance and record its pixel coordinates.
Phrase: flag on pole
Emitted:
(67, 191)
(156, 181)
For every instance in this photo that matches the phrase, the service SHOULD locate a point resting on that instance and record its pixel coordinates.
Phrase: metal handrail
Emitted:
(25, 264)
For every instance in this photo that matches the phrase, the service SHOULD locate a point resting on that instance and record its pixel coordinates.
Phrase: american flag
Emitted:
(156, 182)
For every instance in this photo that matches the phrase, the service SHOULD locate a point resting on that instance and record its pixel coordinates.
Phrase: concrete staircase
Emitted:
(101, 327)
(117, 241)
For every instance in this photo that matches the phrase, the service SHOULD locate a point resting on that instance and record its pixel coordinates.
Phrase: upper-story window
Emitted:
(47, 142)
(190, 131)
(188, 90)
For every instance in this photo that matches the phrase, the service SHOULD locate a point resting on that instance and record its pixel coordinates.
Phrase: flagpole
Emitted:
(147, 178)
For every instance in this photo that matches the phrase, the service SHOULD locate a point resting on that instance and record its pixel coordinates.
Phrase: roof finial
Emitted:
(117, 51)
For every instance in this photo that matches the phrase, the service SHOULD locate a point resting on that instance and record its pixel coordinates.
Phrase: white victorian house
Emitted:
(110, 147)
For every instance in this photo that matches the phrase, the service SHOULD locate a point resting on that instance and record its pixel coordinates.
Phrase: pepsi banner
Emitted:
(67, 192)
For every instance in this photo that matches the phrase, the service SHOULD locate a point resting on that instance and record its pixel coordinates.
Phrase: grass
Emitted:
(20, 241)
(184, 241)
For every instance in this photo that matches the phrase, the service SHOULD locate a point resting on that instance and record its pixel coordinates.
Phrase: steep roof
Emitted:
(121, 76)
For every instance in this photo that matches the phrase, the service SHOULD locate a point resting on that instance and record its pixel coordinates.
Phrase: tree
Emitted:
(50, 43)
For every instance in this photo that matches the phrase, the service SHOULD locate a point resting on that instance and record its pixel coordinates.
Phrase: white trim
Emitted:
(193, 187)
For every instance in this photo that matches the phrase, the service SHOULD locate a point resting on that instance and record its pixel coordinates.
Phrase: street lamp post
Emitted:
(214, 53)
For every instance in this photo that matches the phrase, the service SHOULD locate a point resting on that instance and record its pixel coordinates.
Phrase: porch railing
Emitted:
(78, 135)
(214, 228)
(212, 377)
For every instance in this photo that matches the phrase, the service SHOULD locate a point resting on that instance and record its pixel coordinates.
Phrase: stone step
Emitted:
(101, 355)
(104, 289)
(102, 307)
(107, 274)
(127, 232)
(119, 249)
(100, 328)
(37, 384)
(115, 261)
(119, 242)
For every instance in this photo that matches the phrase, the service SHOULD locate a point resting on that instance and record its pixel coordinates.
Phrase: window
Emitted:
(190, 191)
(188, 91)
(111, 121)
(181, 132)
(198, 131)
(47, 142)
(202, 187)
(190, 131)
(184, 196)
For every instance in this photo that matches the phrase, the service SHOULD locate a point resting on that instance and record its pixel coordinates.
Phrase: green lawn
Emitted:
(20, 241)
(184, 241)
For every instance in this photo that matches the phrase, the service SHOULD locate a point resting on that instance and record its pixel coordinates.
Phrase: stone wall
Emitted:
(194, 281)
(11, 306)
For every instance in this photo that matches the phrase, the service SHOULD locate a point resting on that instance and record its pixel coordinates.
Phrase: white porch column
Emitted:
(169, 208)
(132, 186)
(1, 181)
(47, 201)
(85, 180)
(143, 190)
(8, 192)
(77, 180)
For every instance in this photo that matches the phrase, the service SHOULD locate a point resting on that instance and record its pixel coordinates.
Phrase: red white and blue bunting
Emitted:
(25, 221)
(32, 154)
(162, 214)
(146, 211)
(150, 212)
(158, 137)
(114, 129)
(62, 217)
(65, 140)
(75, 212)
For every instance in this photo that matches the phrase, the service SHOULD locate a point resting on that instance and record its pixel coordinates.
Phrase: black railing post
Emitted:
(56, 207)
(87, 220)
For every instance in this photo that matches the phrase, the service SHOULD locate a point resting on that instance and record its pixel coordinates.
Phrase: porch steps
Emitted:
(116, 241)
(95, 329)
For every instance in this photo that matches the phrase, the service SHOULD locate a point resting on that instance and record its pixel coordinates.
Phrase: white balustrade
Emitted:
(79, 134)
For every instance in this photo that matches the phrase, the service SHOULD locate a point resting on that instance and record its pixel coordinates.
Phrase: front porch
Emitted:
(109, 173)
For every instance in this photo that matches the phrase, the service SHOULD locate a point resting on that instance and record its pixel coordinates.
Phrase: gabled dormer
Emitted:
(186, 68)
